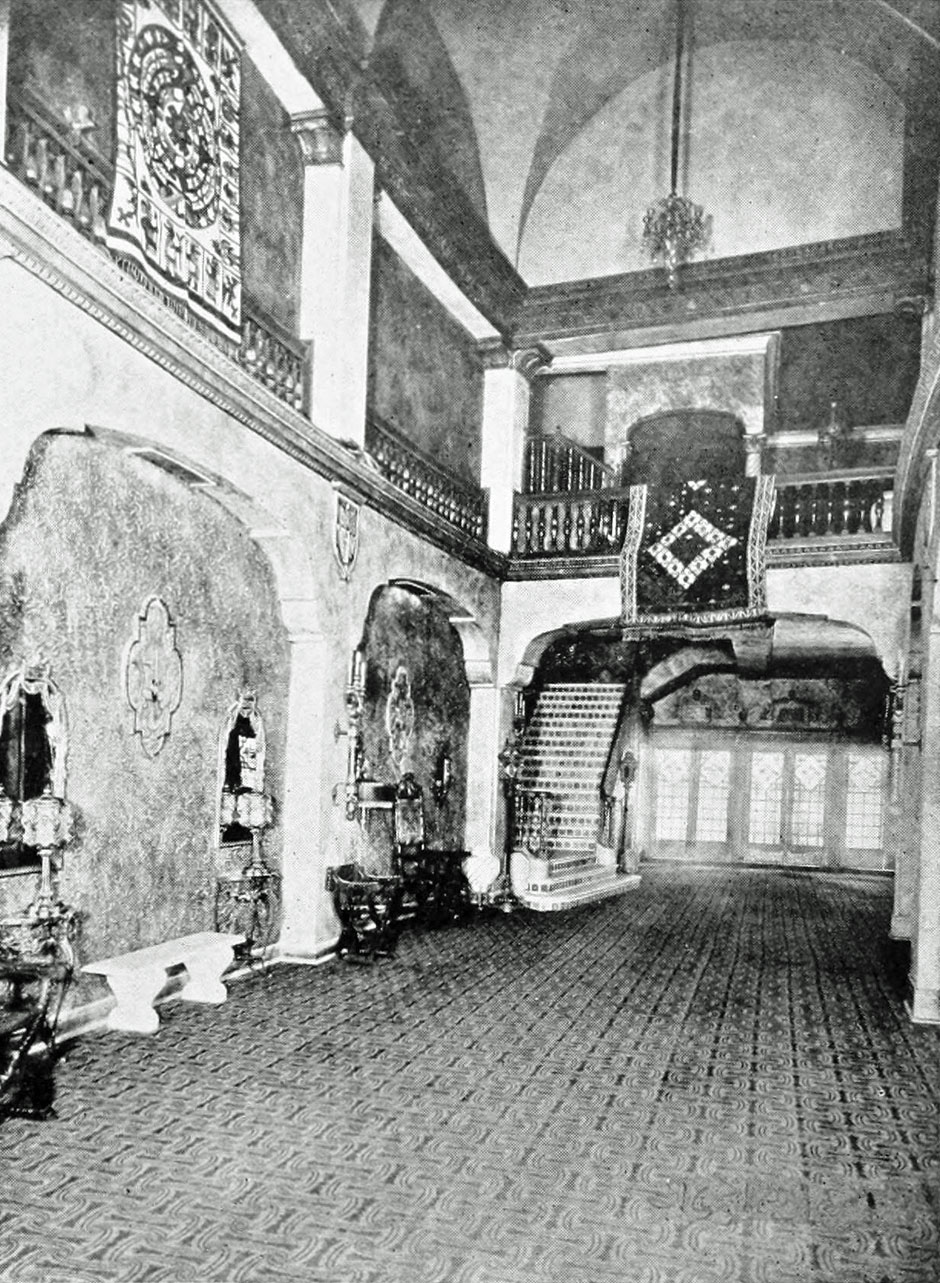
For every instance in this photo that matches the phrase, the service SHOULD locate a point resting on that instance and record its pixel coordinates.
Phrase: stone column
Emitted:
(506, 386)
(924, 1005)
(484, 831)
(304, 860)
(335, 272)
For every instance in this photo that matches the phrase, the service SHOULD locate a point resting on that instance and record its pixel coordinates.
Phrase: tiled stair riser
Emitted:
(565, 753)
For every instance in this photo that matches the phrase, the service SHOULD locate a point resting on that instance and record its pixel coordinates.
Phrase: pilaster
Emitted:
(507, 377)
(924, 1004)
(335, 271)
(303, 862)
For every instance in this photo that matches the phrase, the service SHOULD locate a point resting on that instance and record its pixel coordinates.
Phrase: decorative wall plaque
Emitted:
(400, 717)
(345, 535)
(153, 676)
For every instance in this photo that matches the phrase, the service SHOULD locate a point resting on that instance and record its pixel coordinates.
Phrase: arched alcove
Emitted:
(101, 523)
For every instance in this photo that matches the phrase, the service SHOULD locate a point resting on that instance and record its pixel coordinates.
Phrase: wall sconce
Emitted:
(443, 774)
(834, 433)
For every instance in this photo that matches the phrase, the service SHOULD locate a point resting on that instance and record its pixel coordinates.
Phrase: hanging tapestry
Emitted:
(694, 552)
(175, 209)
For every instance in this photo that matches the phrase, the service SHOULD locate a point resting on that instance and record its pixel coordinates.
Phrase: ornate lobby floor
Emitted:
(710, 1079)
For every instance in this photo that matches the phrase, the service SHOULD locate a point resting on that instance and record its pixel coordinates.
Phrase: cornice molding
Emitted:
(50, 249)
(815, 552)
(856, 276)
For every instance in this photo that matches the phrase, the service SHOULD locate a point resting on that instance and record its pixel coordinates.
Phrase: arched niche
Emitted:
(242, 746)
(33, 748)
(685, 444)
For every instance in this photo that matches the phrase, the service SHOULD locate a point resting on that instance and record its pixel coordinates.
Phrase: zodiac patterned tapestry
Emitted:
(175, 210)
(694, 553)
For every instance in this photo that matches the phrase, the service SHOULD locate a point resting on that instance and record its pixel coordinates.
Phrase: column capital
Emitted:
(320, 136)
(496, 355)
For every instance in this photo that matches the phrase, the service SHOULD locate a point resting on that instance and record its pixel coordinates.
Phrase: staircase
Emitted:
(556, 861)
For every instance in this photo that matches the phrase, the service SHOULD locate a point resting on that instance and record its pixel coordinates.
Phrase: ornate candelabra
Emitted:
(47, 826)
(355, 705)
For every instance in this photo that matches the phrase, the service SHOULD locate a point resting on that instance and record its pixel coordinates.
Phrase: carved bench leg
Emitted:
(205, 974)
(135, 992)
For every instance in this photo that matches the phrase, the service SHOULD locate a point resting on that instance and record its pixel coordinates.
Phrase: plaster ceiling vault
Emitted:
(552, 116)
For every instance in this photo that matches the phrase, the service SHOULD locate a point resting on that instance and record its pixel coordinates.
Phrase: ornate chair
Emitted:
(433, 880)
(367, 906)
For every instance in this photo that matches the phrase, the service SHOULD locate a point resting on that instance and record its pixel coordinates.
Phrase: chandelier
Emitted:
(675, 227)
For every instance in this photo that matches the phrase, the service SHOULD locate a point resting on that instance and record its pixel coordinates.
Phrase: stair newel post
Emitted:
(501, 896)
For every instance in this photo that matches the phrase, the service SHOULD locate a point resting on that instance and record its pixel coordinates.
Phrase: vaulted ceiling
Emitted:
(548, 120)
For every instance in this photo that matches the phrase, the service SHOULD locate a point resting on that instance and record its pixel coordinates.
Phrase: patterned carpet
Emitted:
(710, 1079)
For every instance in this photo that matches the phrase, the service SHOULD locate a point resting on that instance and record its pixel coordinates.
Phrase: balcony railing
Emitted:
(76, 180)
(561, 525)
(833, 505)
(826, 507)
(460, 504)
(556, 465)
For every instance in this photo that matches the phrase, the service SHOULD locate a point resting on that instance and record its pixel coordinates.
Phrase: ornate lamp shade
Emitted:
(252, 809)
(47, 821)
(6, 814)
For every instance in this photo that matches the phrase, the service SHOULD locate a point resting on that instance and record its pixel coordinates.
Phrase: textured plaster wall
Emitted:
(64, 369)
(424, 376)
(93, 534)
(819, 156)
(411, 631)
(731, 383)
(868, 364)
(272, 183)
(65, 54)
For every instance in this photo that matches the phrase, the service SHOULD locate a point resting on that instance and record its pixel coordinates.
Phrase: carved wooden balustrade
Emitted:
(457, 502)
(591, 523)
(531, 814)
(851, 502)
(554, 464)
(76, 180)
(823, 507)
(63, 168)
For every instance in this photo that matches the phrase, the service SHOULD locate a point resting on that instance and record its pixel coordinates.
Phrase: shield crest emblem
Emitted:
(346, 535)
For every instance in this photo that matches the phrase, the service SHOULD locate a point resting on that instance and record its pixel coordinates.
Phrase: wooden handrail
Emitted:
(553, 463)
(408, 467)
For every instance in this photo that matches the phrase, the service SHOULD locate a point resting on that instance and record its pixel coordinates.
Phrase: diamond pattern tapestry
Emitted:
(175, 210)
(694, 553)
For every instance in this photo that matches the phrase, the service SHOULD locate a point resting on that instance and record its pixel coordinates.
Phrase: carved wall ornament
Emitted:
(153, 675)
(400, 718)
(345, 535)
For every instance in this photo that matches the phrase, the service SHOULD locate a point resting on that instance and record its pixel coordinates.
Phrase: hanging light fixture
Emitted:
(674, 228)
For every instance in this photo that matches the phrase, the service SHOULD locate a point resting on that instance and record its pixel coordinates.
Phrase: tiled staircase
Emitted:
(557, 861)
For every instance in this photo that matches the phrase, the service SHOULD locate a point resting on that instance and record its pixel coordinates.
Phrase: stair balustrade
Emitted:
(457, 502)
(554, 464)
(61, 166)
(531, 819)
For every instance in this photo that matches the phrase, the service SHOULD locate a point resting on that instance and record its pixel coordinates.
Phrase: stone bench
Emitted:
(136, 978)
